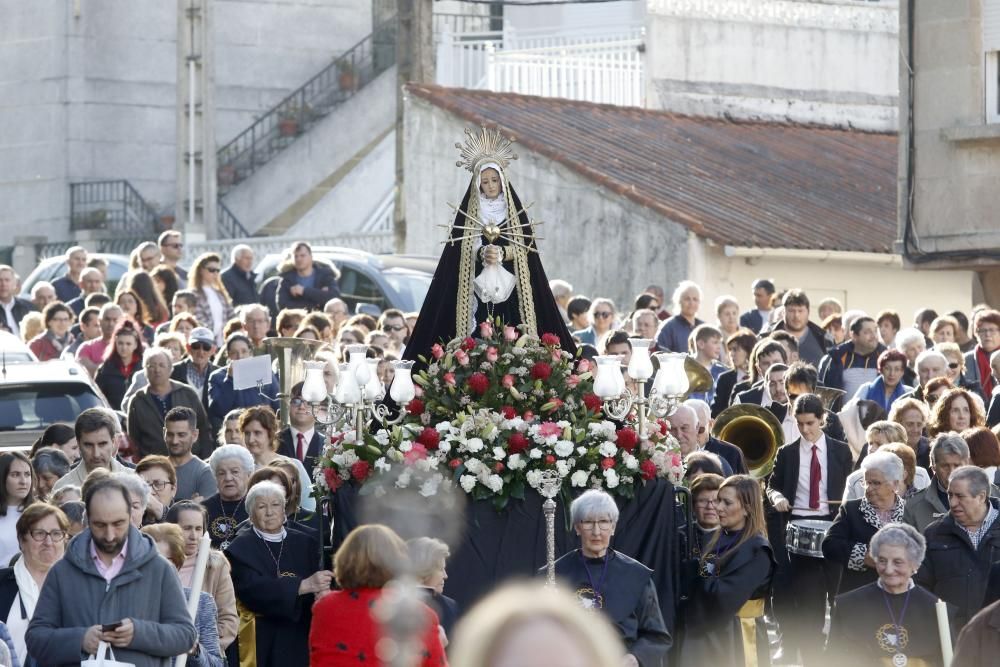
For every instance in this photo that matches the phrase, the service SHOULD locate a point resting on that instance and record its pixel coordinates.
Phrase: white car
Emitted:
(13, 350)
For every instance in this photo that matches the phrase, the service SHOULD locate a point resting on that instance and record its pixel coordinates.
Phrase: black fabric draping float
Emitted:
(509, 544)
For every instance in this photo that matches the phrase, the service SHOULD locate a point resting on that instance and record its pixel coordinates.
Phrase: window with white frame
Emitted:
(991, 59)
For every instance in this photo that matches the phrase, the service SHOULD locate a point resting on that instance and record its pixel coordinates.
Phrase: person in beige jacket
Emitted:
(193, 519)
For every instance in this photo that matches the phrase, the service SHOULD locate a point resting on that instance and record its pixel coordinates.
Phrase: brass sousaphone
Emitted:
(756, 431)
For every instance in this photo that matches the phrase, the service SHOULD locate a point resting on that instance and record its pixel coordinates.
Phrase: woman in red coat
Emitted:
(344, 629)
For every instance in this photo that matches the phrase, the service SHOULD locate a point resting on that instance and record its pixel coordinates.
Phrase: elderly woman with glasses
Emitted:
(891, 621)
(610, 581)
(42, 531)
(846, 541)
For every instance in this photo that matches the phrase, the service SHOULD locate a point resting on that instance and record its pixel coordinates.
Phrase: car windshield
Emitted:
(411, 287)
(33, 407)
(16, 357)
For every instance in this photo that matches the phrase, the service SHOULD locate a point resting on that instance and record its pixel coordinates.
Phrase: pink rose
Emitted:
(572, 381)
(583, 365)
(556, 355)
(486, 329)
(437, 351)
(491, 354)
(449, 379)
(510, 333)
(507, 381)
(462, 357)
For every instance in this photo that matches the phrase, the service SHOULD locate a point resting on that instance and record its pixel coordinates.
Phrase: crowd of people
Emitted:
(887, 480)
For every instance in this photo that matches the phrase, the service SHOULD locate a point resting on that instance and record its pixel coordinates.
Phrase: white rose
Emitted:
(535, 453)
(474, 445)
(468, 482)
(564, 448)
(499, 453)
(608, 448)
(610, 478)
(495, 483)
(579, 478)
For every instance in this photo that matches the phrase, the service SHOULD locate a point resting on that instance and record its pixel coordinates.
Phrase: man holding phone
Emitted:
(112, 586)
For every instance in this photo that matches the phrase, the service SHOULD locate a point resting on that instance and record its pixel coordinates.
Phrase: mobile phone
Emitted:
(111, 627)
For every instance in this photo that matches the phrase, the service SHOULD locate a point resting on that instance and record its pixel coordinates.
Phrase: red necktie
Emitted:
(815, 473)
(299, 449)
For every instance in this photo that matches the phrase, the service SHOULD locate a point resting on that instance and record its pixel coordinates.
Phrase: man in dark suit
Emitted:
(239, 278)
(728, 452)
(808, 474)
(12, 308)
(756, 320)
(301, 440)
(195, 369)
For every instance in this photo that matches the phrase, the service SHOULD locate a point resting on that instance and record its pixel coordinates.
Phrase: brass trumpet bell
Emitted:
(756, 431)
(287, 357)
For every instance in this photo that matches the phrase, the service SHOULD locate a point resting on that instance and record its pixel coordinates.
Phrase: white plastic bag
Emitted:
(102, 660)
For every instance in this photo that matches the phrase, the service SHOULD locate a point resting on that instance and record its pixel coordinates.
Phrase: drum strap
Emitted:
(748, 615)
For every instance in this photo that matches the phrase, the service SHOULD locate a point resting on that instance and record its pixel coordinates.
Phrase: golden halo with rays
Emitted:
(488, 145)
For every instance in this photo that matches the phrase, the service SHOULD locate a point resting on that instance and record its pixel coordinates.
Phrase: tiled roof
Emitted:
(737, 183)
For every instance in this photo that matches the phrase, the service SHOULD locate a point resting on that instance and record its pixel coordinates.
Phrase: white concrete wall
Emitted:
(868, 286)
(833, 62)
(570, 16)
(600, 242)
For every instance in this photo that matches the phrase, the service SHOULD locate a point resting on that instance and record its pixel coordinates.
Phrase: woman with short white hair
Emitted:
(892, 620)
(609, 580)
(428, 563)
(846, 541)
(232, 466)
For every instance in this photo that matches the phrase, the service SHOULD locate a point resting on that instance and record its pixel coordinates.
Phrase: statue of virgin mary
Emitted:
(489, 267)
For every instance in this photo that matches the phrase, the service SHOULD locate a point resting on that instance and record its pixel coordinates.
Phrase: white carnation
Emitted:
(631, 462)
(495, 482)
(581, 450)
(534, 478)
(474, 445)
(499, 453)
(579, 478)
(610, 478)
(535, 453)
(474, 466)
(564, 448)
(382, 437)
(468, 482)
(562, 467)
(516, 462)
(608, 448)
(405, 446)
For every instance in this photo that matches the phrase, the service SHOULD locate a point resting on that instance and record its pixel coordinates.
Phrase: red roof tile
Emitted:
(737, 183)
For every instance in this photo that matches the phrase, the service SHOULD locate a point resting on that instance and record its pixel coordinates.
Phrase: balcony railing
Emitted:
(283, 123)
(228, 224)
(112, 206)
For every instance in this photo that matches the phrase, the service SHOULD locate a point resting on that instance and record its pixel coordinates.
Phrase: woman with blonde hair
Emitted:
(343, 623)
(528, 625)
(213, 307)
(724, 618)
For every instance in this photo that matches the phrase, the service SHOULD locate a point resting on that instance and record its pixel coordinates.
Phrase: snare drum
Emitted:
(805, 536)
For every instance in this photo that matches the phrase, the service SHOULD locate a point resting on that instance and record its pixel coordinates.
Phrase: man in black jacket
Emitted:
(12, 308)
(808, 474)
(239, 278)
(301, 440)
(308, 284)
(964, 545)
(196, 368)
(812, 338)
(726, 451)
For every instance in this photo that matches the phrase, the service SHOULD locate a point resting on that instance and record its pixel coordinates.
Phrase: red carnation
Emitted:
(332, 479)
(517, 443)
(627, 439)
(550, 460)
(593, 402)
(360, 470)
(648, 469)
(478, 383)
(469, 343)
(454, 463)
(607, 462)
(541, 371)
(415, 407)
(429, 438)
(498, 467)
(551, 340)
(508, 412)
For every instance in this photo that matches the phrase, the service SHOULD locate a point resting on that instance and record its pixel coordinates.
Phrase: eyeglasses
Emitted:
(604, 525)
(173, 245)
(159, 484)
(706, 502)
(987, 331)
(54, 535)
(297, 402)
(198, 345)
(396, 327)
(603, 315)
(212, 269)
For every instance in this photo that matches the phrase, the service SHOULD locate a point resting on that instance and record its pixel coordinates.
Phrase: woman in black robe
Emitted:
(608, 580)
(489, 267)
(276, 576)
(232, 466)
(892, 621)
(724, 623)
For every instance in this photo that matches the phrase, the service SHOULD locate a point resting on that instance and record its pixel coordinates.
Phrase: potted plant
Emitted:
(289, 119)
(347, 80)
(226, 175)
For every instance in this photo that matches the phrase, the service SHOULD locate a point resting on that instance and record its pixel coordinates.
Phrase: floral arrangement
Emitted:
(491, 414)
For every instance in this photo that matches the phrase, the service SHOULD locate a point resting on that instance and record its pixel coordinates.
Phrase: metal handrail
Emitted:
(229, 226)
(113, 205)
(289, 118)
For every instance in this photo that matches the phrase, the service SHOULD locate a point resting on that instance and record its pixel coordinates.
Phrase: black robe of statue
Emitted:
(859, 615)
(712, 634)
(629, 600)
(224, 517)
(436, 323)
(283, 616)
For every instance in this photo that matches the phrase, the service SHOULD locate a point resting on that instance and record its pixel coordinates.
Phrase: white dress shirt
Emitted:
(801, 502)
(12, 322)
(307, 437)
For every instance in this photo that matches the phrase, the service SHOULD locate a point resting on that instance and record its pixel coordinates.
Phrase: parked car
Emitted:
(13, 350)
(384, 281)
(34, 395)
(55, 267)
